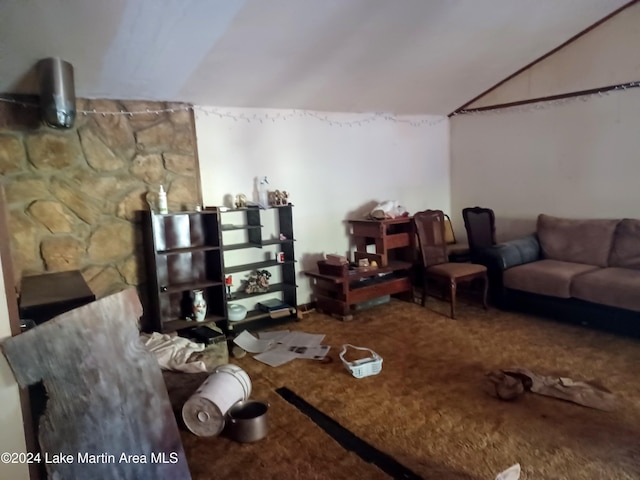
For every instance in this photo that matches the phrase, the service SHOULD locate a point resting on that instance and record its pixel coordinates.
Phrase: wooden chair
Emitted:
(480, 224)
(430, 228)
(456, 251)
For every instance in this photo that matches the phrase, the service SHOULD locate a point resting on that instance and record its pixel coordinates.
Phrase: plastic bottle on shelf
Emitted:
(162, 201)
(263, 194)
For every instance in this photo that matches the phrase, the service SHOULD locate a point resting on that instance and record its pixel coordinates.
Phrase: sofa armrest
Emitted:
(510, 254)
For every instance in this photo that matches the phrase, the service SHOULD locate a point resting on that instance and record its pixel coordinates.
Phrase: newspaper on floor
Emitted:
(317, 352)
(301, 339)
(280, 347)
(251, 344)
(276, 336)
(279, 355)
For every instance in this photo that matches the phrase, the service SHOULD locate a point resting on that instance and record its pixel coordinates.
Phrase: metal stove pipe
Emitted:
(57, 93)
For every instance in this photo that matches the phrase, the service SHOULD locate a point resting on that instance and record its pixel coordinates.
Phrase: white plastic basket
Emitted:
(362, 367)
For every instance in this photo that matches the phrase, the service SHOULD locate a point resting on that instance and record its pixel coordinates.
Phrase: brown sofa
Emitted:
(586, 271)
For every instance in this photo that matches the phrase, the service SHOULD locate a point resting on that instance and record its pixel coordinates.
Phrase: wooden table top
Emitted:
(54, 288)
(358, 273)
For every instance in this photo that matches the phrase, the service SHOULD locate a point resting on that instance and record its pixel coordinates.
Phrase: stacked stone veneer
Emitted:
(72, 195)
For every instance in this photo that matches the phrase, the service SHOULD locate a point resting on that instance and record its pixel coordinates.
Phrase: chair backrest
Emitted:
(430, 228)
(480, 224)
(449, 236)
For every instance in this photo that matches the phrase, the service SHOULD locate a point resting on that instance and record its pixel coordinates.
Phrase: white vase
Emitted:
(199, 306)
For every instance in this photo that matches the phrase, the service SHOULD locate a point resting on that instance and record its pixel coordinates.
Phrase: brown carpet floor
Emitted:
(428, 408)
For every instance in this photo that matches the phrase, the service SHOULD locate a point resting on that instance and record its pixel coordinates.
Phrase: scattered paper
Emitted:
(277, 356)
(276, 336)
(251, 344)
(301, 339)
(279, 347)
(314, 353)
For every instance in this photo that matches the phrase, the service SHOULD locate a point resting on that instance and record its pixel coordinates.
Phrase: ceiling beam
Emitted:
(548, 54)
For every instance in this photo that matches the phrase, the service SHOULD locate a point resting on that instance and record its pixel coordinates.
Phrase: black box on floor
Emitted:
(202, 334)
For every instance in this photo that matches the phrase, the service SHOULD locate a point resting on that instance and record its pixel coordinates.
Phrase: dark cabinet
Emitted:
(183, 253)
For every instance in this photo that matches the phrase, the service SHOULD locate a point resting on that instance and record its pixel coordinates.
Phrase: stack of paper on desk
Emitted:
(280, 347)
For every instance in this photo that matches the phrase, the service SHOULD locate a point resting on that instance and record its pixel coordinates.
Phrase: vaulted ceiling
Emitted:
(399, 56)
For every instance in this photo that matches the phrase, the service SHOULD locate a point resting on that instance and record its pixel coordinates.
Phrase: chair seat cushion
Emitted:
(545, 277)
(456, 270)
(616, 287)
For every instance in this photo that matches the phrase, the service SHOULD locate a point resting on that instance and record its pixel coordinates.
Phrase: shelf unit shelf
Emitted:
(273, 288)
(228, 228)
(276, 242)
(179, 324)
(177, 251)
(256, 266)
(241, 246)
(264, 243)
(189, 286)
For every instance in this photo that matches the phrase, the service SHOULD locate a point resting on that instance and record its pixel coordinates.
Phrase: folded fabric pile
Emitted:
(173, 352)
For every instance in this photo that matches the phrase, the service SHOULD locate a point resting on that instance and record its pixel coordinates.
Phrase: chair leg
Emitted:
(453, 287)
(485, 290)
(424, 292)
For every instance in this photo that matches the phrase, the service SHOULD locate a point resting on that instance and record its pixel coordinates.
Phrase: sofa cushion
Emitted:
(616, 287)
(579, 241)
(625, 251)
(545, 277)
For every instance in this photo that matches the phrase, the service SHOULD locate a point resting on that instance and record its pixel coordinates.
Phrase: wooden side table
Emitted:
(45, 296)
(394, 239)
(337, 294)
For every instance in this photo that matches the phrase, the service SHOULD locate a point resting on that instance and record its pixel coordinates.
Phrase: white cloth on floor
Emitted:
(173, 352)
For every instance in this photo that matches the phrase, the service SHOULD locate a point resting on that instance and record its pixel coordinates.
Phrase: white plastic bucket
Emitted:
(205, 410)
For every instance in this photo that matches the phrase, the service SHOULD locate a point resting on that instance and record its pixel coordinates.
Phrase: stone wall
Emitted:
(72, 195)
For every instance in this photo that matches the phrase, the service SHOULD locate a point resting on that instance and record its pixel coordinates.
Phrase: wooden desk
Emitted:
(42, 297)
(337, 294)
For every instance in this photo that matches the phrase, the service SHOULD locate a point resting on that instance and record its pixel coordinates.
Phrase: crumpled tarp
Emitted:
(173, 352)
(582, 393)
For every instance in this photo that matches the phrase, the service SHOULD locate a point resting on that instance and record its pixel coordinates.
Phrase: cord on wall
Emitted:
(543, 103)
(365, 118)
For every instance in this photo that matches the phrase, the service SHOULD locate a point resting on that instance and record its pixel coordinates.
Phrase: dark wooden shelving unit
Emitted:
(286, 288)
(183, 252)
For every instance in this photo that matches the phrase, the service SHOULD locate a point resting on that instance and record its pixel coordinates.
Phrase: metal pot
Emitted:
(247, 421)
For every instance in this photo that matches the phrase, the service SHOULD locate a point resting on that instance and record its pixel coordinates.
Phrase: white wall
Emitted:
(335, 167)
(12, 431)
(577, 158)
